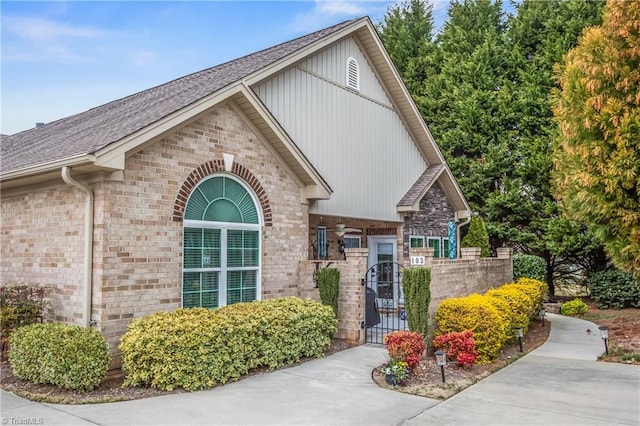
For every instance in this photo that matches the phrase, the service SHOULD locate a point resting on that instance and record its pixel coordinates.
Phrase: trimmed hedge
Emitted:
(478, 314)
(68, 356)
(416, 286)
(492, 317)
(529, 266)
(329, 287)
(197, 348)
(614, 289)
(535, 289)
(518, 306)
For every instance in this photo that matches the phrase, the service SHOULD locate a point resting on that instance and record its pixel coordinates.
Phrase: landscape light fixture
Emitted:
(543, 313)
(441, 360)
(519, 335)
(604, 333)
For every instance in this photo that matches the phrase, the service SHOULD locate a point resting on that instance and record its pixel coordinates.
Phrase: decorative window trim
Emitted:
(353, 74)
(217, 166)
(225, 262)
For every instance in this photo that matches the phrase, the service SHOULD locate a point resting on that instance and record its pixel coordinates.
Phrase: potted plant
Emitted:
(395, 372)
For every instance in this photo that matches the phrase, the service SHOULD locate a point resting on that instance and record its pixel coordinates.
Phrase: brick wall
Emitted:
(42, 243)
(461, 277)
(137, 241)
(351, 296)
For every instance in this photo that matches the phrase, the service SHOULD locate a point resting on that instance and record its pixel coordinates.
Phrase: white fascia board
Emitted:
(79, 160)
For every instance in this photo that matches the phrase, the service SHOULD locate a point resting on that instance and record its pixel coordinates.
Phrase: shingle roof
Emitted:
(419, 188)
(89, 131)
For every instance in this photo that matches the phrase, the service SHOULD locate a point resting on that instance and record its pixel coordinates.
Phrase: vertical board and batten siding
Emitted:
(356, 140)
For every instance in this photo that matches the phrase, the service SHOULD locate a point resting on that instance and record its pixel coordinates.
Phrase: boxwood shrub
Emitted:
(68, 356)
(478, 314)
(197, 348)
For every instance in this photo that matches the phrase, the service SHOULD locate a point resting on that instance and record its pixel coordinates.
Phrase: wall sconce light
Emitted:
(604, 333)
(441, 360)
(519, 335)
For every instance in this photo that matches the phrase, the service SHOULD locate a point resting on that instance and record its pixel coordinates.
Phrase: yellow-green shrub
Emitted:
(476, 313)
(514, 304)
(68, 356)
(536, 290)
(198, 348)
(574, 308)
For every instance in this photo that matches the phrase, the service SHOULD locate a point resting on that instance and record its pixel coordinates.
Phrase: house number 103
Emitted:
(418, 260)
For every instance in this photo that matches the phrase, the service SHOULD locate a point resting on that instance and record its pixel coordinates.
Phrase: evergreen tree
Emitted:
(597, 155)
(477, 236)
(407, 34)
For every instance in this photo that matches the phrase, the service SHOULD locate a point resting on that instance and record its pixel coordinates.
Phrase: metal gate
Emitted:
(384, 305)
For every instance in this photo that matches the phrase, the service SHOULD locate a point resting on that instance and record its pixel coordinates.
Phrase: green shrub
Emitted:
(68, 356)
(574, 308)
(529, 266)
(416, 286)
(517, 306)
(477, 314)
(197, 348)
(614, 289)
(328, 285)
(477, 236)
(21, 304)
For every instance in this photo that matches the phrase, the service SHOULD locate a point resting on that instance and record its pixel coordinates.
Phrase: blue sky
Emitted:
(60, 58)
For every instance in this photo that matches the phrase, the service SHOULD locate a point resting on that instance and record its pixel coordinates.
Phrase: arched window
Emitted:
(353, 74)
(222, 244)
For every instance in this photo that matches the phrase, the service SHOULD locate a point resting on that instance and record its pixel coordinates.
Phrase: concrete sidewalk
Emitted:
(560, 383)
(557, 384)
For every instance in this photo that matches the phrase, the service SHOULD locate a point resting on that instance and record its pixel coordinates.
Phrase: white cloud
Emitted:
(36, 39)
(327, 12)
(39, 29)
(338, 8)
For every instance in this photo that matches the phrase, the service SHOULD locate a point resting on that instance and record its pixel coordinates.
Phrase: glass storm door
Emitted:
(382, 253)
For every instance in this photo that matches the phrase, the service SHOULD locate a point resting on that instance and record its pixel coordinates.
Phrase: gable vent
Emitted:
(353, 74)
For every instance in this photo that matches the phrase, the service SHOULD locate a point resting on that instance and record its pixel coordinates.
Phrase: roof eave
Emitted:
(43, 172)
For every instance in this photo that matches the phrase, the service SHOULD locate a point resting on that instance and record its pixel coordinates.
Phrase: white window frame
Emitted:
(224, 227)
(352, 237)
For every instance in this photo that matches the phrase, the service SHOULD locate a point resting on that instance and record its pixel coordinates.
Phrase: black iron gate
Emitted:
(384, 305)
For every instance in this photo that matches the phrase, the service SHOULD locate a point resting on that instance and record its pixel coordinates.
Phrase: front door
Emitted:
(383, 252)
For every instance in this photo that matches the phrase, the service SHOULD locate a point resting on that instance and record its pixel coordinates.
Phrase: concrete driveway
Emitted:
(558, 384)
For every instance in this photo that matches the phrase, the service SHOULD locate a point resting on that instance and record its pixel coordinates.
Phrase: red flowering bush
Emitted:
(460, 346)
(406, 346)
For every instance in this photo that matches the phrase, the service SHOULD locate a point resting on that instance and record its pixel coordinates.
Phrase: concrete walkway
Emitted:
(558, 384)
